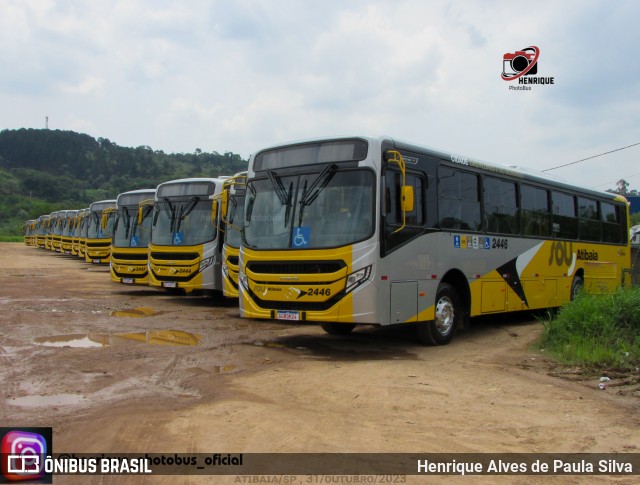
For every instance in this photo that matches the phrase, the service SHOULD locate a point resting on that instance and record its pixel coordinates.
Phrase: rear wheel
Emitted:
(337, 328)
(448, 318)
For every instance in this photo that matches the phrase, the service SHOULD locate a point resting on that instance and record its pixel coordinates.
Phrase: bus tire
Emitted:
(577, 285)
(337, 328)
(449, 315)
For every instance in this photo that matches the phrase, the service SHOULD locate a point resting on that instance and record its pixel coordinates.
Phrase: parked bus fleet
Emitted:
(358, 231)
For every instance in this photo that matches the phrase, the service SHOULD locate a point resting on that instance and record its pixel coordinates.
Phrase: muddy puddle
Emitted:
(138, 312)
(151, 337)
(40, 401)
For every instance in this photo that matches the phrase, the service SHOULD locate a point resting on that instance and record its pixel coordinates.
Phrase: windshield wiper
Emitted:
(279, 188)
(309, 194)
(126, 221)
(284, 196)
(169, 208)
(186, 210)
(319, 183)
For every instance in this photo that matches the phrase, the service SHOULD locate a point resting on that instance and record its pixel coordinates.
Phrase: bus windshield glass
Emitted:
(323, 209)
(67, 228)
(127, 232)
(57, 228)
(94, 225)
(235, 215)
(183, 221)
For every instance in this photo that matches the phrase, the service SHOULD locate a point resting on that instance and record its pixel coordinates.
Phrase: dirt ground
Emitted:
(252, 386)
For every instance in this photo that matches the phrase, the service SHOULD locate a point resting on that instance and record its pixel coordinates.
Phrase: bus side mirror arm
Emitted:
(141, 207)
(214, 210)
(406, 191)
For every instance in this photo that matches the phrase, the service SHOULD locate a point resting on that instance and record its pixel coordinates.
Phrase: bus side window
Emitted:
(500, 206)
(459, 200)
(610, 215)
(590, 228)
(536, 216)
(565, 222)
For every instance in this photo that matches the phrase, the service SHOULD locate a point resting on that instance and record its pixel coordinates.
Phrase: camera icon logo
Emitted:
(23, 455)
(520, 63)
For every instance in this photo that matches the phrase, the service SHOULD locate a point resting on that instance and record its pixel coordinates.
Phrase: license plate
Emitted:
(287, 315)
(96, 261)
(169, 284)
(127, 281)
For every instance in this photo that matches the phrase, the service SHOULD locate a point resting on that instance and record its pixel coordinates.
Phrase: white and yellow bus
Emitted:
(42, 225)
(80, 237)
(131, 236)
(186, 245)
(58, 228)
(68, 226)
(99, 229)
(233, 197)
(52, 224)
(377, 231)
(77, 230)
(29, 232)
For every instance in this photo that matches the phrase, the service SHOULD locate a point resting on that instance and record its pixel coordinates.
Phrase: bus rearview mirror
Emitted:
(407, 198)
(224, 203)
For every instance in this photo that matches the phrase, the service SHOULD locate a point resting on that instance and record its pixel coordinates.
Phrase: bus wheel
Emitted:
(337, 328)
(448, 318)
(576, 286)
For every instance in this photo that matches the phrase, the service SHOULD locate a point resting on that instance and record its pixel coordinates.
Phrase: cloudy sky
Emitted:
(239, 75)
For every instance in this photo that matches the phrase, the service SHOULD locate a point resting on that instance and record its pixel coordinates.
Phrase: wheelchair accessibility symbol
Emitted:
(178, 237)
(301, 237)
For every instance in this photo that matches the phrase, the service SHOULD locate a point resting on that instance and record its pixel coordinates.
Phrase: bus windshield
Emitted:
(179, 222)
(235, 215)
(94, 226)
(323, 209)
(67, 227)
(57, 228)
(127, 231)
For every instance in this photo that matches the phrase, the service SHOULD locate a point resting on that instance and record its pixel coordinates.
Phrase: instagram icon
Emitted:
(23, 454)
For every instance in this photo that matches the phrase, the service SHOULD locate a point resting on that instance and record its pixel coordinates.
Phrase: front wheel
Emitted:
(337, 328)
(448, 318)
(577, 285)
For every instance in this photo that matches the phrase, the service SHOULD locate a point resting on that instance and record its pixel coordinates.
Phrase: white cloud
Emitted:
(236, 76)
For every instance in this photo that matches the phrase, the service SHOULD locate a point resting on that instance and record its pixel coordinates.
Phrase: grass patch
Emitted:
(11, 238)
(597, 331)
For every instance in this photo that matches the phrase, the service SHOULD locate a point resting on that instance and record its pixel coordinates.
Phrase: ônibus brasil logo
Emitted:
(523, 66)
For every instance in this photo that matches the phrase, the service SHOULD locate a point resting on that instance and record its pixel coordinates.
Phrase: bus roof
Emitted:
(134, 197)
(200, 186)
(519, 172)
(102, 204)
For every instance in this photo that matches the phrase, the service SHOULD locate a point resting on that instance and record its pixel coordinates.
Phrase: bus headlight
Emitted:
(225, 269)
(244, 281)
(356, 278)
(205, 263)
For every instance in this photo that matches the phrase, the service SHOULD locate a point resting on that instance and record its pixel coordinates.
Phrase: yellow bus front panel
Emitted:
(97, 251)
(130, 265)
(183, 267)
(335, 285)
